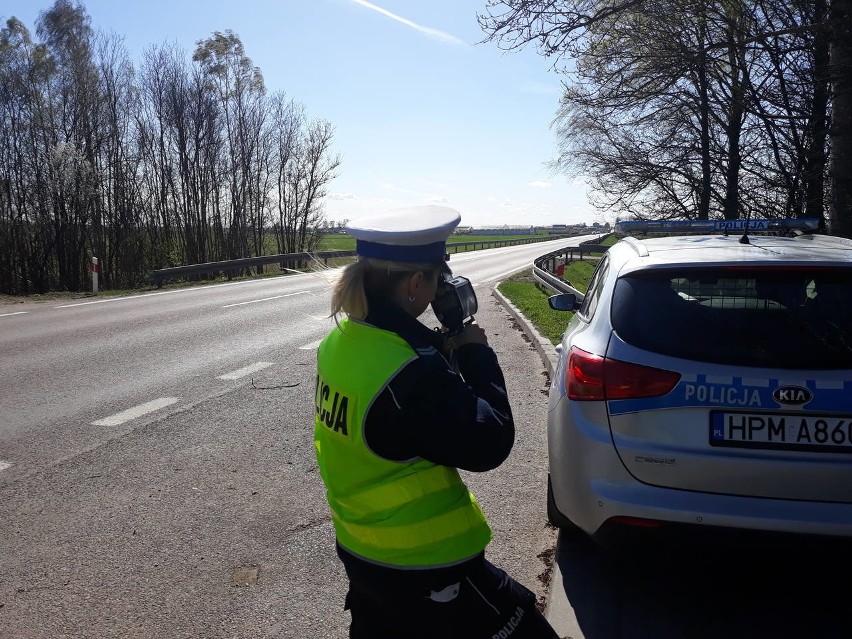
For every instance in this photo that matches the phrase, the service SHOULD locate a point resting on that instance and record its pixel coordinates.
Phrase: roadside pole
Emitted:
(95, 269)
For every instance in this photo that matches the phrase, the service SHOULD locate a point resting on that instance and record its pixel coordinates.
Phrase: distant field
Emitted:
(460, 239)
(344, 242)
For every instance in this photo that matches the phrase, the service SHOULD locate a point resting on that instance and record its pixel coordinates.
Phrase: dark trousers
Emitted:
(477, 601)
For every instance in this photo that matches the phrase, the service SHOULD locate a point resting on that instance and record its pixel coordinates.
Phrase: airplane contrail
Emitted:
(435, 33)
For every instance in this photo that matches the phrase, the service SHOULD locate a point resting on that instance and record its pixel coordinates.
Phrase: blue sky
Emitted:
(423, 114)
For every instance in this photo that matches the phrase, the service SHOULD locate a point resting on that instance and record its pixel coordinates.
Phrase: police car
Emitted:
(706, 379)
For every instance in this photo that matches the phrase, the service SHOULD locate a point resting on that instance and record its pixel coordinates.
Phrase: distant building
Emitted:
(577, 229)
(504, 230)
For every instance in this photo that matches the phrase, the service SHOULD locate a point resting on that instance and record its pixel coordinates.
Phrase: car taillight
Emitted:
(592, 377)
(584, 375)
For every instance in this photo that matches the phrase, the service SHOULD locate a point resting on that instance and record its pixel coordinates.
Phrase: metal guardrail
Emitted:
(545, 267)
(229, 266)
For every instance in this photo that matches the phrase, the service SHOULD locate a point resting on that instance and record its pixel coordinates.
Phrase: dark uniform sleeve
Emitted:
(430, 411)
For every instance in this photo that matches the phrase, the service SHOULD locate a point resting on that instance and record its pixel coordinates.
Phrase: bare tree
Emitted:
(638, 118)
(117, 235)
(717, 108)
(188, 161)
(240, 90)
(184, 152)
(840, 65)
(658, 128)
(304, 165)
(287, 121)
(24, 233)
(72, 103)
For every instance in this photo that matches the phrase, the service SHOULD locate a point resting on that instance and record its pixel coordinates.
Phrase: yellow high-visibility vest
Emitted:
(410, 514)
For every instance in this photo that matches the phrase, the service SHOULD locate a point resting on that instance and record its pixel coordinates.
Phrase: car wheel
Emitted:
(555, 517)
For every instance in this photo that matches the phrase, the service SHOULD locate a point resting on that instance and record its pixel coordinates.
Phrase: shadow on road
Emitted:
(708, 584)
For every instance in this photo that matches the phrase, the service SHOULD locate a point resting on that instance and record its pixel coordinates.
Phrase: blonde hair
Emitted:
(379, 277)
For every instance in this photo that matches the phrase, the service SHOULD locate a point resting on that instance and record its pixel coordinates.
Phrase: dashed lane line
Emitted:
(4, 465)
(9, 315)
(246, 370)
(136, 411)
(311, 346)
(265, 299)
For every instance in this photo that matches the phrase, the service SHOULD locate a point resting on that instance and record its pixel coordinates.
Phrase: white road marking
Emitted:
(246, 370)
(265, 299)
(311, 346)
(136, 411)
(10, 314)
(4, 465)
(506, 274)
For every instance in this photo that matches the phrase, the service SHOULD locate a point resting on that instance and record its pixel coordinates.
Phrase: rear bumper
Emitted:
(591, 485)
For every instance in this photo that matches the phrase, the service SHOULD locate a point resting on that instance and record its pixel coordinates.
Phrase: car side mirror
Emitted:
(563, 302)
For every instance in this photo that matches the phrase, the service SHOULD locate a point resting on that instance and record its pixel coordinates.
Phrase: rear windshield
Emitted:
(773, 317)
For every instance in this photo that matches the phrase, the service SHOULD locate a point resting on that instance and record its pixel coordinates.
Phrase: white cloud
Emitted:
(342, 196)
(434, 33)
(539, 184)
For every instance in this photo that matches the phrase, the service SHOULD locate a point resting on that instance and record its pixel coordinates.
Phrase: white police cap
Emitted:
(411, 234)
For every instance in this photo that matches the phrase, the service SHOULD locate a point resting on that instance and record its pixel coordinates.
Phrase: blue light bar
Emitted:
(710, 226)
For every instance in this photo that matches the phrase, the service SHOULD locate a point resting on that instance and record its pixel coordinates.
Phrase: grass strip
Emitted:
(530, 296)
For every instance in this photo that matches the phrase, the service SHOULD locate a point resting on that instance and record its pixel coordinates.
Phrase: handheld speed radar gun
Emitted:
(455, 302)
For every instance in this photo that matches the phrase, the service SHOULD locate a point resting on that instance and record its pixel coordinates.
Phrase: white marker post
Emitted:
(95, 275)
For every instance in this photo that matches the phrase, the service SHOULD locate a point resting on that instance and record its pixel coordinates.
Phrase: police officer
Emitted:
(394, 422)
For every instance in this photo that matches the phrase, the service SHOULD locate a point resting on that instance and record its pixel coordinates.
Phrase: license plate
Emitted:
(781, 430)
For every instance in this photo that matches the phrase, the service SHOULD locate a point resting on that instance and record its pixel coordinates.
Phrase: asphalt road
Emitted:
(703, 585)
(157, 475)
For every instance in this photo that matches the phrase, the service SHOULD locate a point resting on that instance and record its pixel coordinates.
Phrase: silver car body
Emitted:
(670, 458)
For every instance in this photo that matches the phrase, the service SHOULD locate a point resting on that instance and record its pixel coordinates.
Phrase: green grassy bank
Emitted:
(530, 296)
